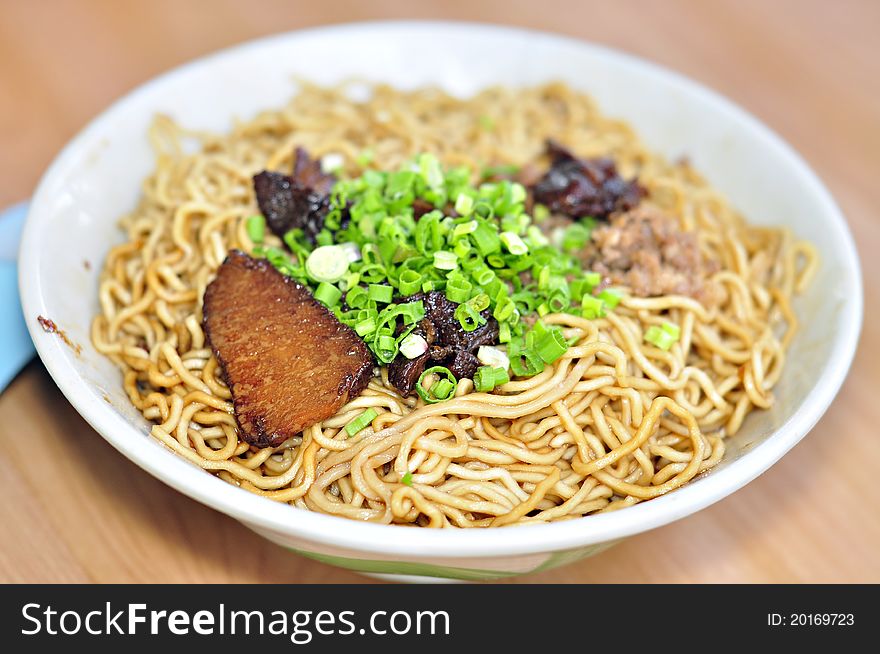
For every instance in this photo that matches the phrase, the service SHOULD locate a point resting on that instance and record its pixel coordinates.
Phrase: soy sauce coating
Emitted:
(288, 362)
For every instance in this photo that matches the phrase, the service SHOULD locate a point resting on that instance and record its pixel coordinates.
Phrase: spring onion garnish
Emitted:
(464, 204)
(406, 480)
(487, 378)
(352, 250)
(332, 162)
(551, 345)
(524, 361)
(328, 294)
(540, 213)
(380, 293)
(365, 157)
(328, 263)
(575, 237)
(413, 346)
(361, 422)
(256, 228)
(440, 390)
(663, 336)
(493, 357)
(514, 243)
(445, 260)
(592, 307)
(477, 245)
(611, 297)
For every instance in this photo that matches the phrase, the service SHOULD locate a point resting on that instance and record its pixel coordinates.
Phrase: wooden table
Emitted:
(75, 510)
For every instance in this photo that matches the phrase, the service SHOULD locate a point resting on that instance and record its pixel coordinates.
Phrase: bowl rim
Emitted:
(398, 541)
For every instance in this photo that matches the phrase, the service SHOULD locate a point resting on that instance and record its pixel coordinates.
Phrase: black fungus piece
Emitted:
(421, 207)
(463, 364)
(301, 200)
(308, 174)
(403, 373)
(440, 311)
(584, 187)
(448, 344)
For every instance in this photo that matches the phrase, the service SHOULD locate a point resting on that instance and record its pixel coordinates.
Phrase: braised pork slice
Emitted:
(287, 360)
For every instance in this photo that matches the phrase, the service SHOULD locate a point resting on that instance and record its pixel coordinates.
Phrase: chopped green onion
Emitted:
(410, 282)
(380, 293)
(540, 213)
(468, 317)
(327, 294)
(504, 310)
(504, 334)
(486, 239)
(444, 260)
(576, 236)
(328, 263)
(430, 170)
(357, 297)
(361, 422)
(352, 251)
(365, 327)
(482, 275)
(413, 346)
(484, 379)
(464, 205)
(524, 361)
(672, 329)
(592, 307)
(517, 193)
(442, 389)
(487, 378)
(514, 243)
(256, 228)
(384, 347)
(610, 297)
(536, 237)
(493, 357)
(479, 302)
(585, 285)
(551, 345)
(458, 290)
(660, 337)
(411, 312)
(432, 396)
(365, 157)
(406, 480)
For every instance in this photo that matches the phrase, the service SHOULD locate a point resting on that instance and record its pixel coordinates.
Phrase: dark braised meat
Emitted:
(421, 207)
(448, 344)
(287, 360)
(584, 187)
(646, 251)
(300, 200)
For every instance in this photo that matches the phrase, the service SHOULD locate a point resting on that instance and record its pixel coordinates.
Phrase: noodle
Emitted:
(613, 422)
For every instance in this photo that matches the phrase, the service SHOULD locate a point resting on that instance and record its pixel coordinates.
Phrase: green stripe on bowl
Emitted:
(407, 568)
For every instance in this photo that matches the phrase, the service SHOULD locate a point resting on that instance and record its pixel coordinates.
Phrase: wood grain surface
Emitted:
(74, 510)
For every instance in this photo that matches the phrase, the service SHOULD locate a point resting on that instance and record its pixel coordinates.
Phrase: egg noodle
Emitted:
(613, 422)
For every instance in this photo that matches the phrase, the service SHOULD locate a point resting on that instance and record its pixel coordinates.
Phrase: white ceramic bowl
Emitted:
(97, 178)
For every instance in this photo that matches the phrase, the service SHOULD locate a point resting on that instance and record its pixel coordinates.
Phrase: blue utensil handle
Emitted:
(16, 347)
